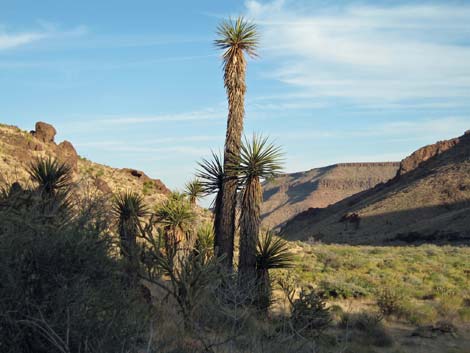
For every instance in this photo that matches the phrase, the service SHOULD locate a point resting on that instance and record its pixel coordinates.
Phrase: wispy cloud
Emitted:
(206, 114)
(368, 53)
(400, 130)
(12, 40)
(46, 30)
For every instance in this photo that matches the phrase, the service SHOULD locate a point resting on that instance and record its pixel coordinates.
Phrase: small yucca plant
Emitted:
(129, 208)
(50, 175)
(194, 190)
(271, 253)
(176, 216)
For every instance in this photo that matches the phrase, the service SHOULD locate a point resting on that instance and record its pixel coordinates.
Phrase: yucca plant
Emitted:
(176, 216)
(53, 181)
(271, 253)
(259, 159)
(211, 174)
(50, 175)
(194, 190)
(236, 38)
(205, 240)
(129, 209)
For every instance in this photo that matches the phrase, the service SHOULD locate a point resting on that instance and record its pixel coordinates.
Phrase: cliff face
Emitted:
(427, 201)
(291, 194)
(19, 148)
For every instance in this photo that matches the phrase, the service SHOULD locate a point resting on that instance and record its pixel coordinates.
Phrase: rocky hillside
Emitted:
(19, 148)
(427, 201)
(291, 194)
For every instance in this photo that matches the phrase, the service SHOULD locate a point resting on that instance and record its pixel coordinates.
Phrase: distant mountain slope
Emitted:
(19, 148)
(291, 194)
(428, 200)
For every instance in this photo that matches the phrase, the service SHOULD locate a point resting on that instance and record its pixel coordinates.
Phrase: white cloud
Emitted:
(8, 41)
(207, 114)
(368, 53)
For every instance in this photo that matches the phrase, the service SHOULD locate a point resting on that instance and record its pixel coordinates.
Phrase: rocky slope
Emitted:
(291, 194)
(427, 201)
(19, 148)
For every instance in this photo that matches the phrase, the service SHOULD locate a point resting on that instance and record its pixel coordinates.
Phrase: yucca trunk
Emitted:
(250, 219)
(234, 81)
(263, 284)
(127, 234)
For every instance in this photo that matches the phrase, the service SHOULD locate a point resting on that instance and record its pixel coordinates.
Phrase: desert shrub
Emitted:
(340, 289)
(61, 290)
(310, 316)
(390, 301)
(370, 324)
(419, 314)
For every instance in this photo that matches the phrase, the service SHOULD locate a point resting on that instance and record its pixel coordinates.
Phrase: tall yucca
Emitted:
(259, 159)
(129, 208)
(237, 38)
(194, 190)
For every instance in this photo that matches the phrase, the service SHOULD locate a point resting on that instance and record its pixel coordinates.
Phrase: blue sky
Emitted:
(139, 83)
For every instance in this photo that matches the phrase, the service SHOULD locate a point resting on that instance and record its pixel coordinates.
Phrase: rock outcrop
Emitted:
(44, 132)
(67, 154)
(19, 148)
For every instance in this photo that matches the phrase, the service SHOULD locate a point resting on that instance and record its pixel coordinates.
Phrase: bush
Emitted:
(370, 324)
(390, 302)
(61, 290)
(310, 316)
(340, 289)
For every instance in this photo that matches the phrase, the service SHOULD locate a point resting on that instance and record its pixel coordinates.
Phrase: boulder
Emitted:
(102, 186)
(44, 132)
(66, 153)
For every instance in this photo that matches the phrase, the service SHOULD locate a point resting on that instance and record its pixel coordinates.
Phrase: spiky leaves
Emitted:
(211, 174)
(259, 159)
(176, 216)
(237, 35)
(235, 38)
(194, 190)
(54, 181)
(50, 175)
(271, 253)
(129, 208)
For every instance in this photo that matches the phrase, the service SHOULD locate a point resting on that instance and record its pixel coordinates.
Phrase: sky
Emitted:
(139, 83)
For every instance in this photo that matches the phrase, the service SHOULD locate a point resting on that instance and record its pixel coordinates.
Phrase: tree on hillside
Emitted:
(194, 190)
(129, 209)
(259, 159)
(236, 38)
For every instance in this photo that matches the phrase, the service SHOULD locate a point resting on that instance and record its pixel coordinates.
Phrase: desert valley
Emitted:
(368, 252)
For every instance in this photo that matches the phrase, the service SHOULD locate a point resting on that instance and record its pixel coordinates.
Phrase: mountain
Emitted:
(290, 194)
(427, 201)
(18, 148)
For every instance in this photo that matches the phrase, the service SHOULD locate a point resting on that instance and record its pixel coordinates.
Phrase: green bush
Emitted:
(340, 289)
(390, 301)
(61, 291)
(310, 316)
